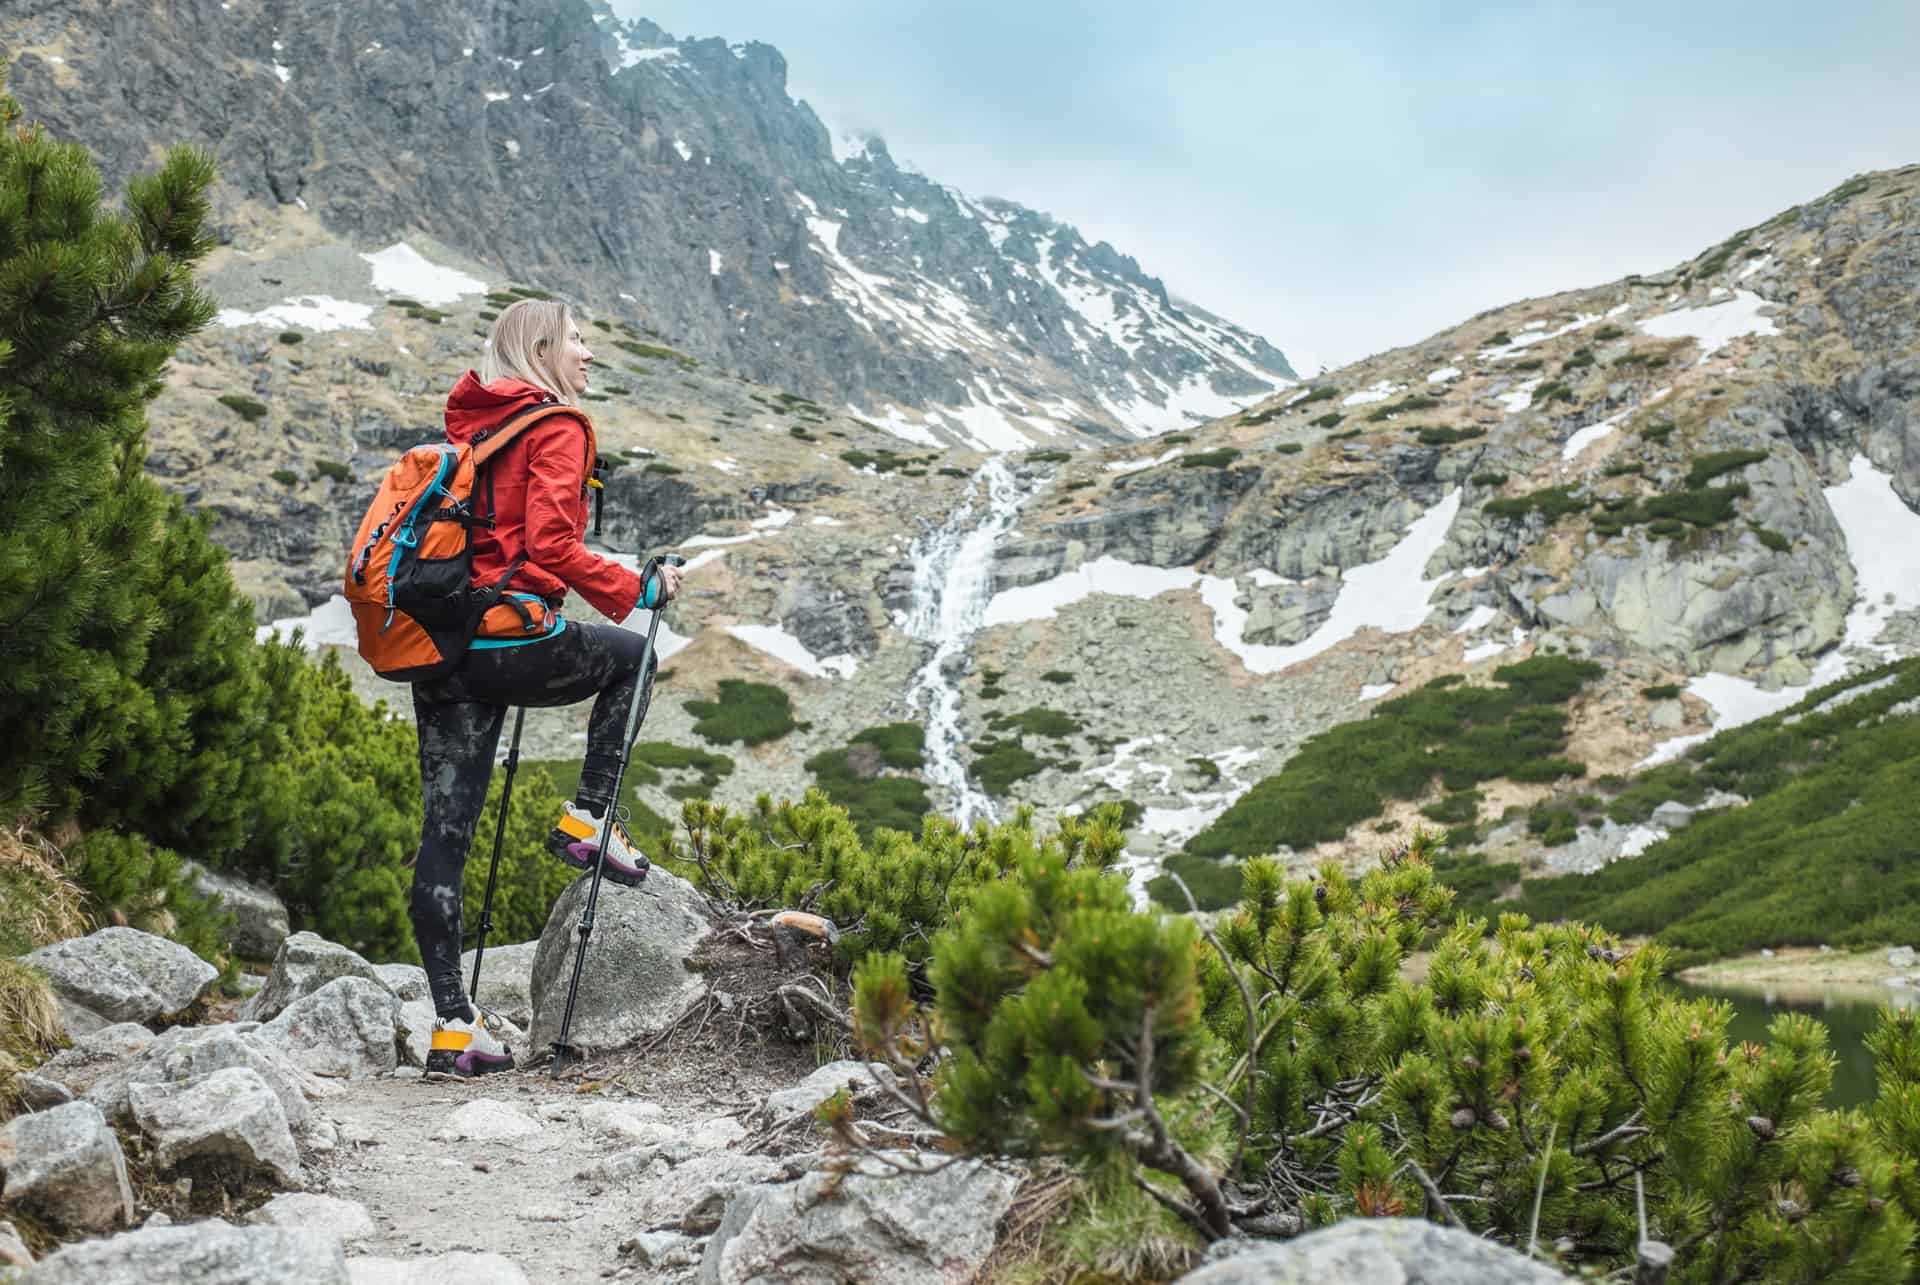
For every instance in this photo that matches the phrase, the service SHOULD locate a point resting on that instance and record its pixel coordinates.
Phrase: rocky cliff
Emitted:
(672, 183)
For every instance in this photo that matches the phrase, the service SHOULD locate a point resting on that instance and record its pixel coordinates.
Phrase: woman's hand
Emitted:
(670, 582)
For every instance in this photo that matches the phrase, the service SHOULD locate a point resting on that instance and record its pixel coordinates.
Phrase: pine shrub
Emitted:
(246, 408)
(748, 713)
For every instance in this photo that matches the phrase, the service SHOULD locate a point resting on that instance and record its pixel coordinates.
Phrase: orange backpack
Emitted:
(410, 569)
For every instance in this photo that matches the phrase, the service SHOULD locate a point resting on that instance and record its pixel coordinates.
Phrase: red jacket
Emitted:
(539, 499)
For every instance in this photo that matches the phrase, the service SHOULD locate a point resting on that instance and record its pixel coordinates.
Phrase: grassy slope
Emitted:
(1823, 853)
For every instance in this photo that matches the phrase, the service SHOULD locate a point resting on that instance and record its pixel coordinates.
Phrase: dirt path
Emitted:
(523, 1197)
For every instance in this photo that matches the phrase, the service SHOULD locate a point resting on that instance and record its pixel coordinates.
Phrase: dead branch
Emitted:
(1433, 1193)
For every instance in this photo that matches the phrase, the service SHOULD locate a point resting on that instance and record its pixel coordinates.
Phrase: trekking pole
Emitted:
(493, 870)
(564, 1054)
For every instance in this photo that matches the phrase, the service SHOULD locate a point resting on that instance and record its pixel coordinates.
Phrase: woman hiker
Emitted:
(538, 485)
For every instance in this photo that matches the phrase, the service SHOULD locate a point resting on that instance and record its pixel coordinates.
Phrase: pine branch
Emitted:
(1626, 1130)
(1433, 1193)
(1253, 1036)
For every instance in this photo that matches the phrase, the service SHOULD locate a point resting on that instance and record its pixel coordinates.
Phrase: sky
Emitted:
(1349, 178)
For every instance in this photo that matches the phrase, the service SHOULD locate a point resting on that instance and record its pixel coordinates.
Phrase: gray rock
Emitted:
(694, 1192)
(205, 1050)
(124, 975)
(416, 1027)
(327, 1215)
(635, 979)
(122, 1039)
(506, 980)
(306, 963)
(486, 1120)
(259, 916)
(13, 1251)
(442, 1269)
(1672, 815)
(652, 1248)
(347, 1028)
(871, 1226)
(66, 1166)
(38, 1093)
(1378, 1251)
(1901, 957)
(784, 1104)
(408, 982)
(231, 1115)
(208, 1253)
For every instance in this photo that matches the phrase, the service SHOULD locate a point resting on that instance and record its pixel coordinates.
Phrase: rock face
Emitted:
(231, 1115)
(439, 118)
(347, 1028)
(870, 1226)
(65, 1165)
(208, 1253)
(259, 916)
(635, 978)
(506, 980)
(123, 975)
(305, 963)
(1379, 1251)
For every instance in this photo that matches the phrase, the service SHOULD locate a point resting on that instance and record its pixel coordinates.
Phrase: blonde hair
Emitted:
(524, 343)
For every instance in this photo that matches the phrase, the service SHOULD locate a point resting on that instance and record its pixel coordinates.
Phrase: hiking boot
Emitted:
(576, 840)
(466, 1048)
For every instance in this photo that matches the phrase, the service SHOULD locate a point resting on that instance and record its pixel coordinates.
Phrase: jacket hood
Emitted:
(474, 408)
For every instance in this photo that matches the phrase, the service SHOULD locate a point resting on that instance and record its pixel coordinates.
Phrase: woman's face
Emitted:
(574, 356)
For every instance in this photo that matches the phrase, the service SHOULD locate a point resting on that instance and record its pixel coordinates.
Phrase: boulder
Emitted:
(328, 1215)
(259, 916)
(695, 1194)
(1672, 815)
(408, 982)
(783, 1105)
(38, 1093)
(872, 1225)
(1901, 957)
(506, 979)
(347, 1028)
(306, 963)
(123, 975)
(416, 1030)
(65, 1165)
(208, 1253)
(1378, 1251)
(486, 1120)
(214, 1048)
(231, 1114)
(635, 979)
(442, 1269)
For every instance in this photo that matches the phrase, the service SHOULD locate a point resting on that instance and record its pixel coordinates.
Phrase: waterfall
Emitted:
(951, 587)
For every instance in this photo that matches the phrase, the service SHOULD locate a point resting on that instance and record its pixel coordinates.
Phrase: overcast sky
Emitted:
(1348, 178)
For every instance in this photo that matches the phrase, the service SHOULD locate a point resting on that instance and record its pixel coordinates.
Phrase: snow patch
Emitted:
(1590, 434)
(686, 153)
(783, 646)
(316, 312)
(328, 625)
(1374, 691)
(402, 270)
(1368, 396)
(1479, 618)
(1715, 326)
(713, 263)
(1443, 375)
(1519, 399)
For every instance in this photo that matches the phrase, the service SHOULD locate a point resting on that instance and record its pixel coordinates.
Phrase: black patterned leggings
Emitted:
(459, 719)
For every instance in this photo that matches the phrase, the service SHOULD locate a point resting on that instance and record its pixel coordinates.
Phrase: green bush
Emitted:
(654, 352)
(802, 434)
(1057, 676)
(1405, 406)
(879, 802)
(1036, 721)
(1288, 448)
(1325, 392)
(1661, 692)
(664, 756)
(1498, 339)
(332, 470)
(1290, 1064)
(949, 471)
(659, 468)
(1579, 359)
(291, 337)
(999, 763)
(1552, 391)
(1708, 467)
(1772, 539)
(750, 713)
(1490, 478)
(1219, 458)
(1329, 420)
(528, 292)
(1658, 433)
(1528, 365)
(1461, 734)
(1457, 808)
(1343, 436)
(1175, 439)
(1608, 332)
(245, 407)
(1552, 503)
(285, 477)
(1448, 436)
(1048, 457)
(488, 315)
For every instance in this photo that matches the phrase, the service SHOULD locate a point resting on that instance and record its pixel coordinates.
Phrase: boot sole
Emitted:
(581, 856)
(468, 1065)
